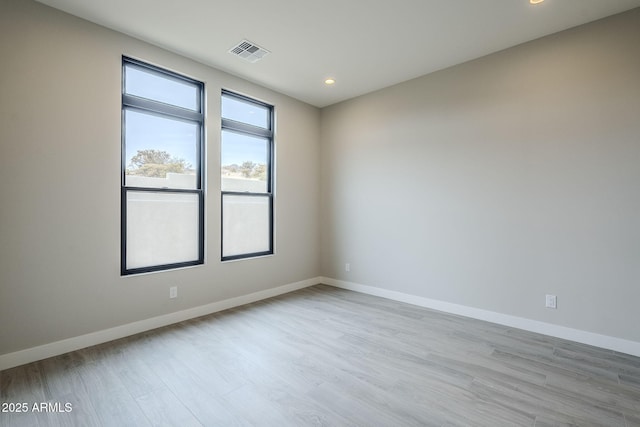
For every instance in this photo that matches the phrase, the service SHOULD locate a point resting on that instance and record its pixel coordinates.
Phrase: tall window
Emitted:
(247, 177)
(162, 192)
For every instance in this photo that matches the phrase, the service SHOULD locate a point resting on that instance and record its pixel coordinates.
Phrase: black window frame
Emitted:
(161, 109)
(251, 130)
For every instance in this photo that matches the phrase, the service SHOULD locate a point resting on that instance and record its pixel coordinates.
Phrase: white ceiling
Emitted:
(364, 44)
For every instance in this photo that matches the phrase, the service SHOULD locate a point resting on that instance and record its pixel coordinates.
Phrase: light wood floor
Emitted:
(325, 356)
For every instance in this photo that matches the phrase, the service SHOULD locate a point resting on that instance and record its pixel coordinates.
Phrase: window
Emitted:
(162, 192)
(247, 177)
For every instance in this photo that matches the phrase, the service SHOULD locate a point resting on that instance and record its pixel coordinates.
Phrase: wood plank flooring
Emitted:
(329, 357)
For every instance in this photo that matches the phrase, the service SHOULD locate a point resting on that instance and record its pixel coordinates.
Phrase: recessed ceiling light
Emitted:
(535, 1)
(329, 81)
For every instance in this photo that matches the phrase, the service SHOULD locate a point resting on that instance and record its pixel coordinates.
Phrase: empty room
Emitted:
(340, 213)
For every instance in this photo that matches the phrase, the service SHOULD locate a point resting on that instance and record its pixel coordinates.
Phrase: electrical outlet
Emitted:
(347, 267)
(551, 301)
(173, 292)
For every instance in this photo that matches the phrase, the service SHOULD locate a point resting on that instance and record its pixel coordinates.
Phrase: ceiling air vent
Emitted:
(248, 51)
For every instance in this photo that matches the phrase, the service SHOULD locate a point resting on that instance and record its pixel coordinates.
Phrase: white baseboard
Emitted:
(577, 335)
(33, 354)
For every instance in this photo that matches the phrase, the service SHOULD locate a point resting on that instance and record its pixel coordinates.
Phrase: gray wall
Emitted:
(60, 185)
(491, 183)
